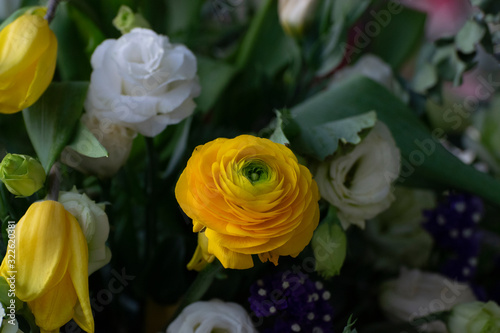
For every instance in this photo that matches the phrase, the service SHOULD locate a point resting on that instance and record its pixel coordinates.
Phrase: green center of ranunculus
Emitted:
(255, 171)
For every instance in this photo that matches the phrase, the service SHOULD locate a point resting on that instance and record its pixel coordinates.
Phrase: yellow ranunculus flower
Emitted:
(28, 52)
(250, 196)
(50, 270)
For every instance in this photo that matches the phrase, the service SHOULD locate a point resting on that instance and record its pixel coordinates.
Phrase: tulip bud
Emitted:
(28, 52)
(329, 245)
(126, 20)
(474, 317)
(295, 14)
(22, 174)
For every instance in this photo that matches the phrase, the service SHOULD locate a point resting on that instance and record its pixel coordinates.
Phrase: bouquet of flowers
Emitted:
(247, 166)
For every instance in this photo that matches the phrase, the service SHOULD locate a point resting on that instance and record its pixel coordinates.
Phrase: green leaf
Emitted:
(424, 159)
(469, 36)
(449, 65)
(214, 77)
(278, 135)
(329, 244)
(89, 32)
(400, 35)
(72, 61)
(349, 327)
(51, 121)
(425, 78)
(323, 140)
(87, 144)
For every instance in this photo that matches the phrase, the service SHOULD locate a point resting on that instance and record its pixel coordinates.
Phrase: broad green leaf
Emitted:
(469, 36)
(323, 140)
(51, 121)
(278, 135)
(423, 157)
(86, 143)
(400, 34)
(180, 145)
(214, 77)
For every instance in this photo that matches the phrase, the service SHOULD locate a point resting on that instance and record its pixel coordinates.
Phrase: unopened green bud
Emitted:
(126, 20)
(329, 245)
(22, 175)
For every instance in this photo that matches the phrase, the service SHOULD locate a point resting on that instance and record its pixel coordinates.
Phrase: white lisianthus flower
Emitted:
(94, 223)
(372, 67)
(8, 7)
(115, 138)
(212, 316)
(417, 294)
(475, 317)
(295, 14)
(359, 183)
(142, 81)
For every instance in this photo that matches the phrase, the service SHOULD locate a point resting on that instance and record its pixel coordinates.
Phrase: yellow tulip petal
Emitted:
(55, 307)
(78, 270)
(22, 42)
(44, 71)
(41, 250)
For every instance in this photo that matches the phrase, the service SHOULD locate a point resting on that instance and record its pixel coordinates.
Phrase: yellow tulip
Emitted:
(249, 196)
(51, 263)
(28, 52)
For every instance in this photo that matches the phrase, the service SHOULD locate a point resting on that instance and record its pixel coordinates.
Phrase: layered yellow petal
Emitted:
(250, 196)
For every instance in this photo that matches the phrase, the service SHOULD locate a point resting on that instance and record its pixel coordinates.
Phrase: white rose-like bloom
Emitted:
(212, 316)
(142, 81)
(94, 223)
(8, 7)
(416, 294)
(359, 183)
(115, 138)
(374, 68)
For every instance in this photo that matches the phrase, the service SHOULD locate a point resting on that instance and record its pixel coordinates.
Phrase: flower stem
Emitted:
(54, 183)
(253, 33)
(51, 9)
(199, 286)
(150, 198)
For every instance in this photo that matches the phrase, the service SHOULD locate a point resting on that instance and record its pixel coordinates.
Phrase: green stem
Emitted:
(54, 183)
(7, 208)
(151, 239)
(199, 286)
(253, 34)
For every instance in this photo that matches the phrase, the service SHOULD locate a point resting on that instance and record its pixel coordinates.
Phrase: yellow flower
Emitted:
(28, 52)
(250, 196)
(50, 270)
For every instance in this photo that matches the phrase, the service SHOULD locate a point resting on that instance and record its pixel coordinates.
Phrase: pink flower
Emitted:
(444, 17)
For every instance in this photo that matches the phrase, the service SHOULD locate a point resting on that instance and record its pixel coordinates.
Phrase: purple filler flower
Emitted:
(454, 227)
(294, 302)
